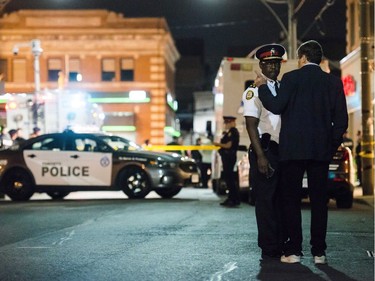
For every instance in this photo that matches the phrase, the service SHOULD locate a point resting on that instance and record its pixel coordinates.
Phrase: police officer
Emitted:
(263, 128)
(228, 152)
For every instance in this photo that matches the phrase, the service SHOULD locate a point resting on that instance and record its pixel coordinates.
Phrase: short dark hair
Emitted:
(312, 50)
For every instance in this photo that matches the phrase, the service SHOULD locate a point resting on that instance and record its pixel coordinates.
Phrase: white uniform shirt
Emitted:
(268, 122)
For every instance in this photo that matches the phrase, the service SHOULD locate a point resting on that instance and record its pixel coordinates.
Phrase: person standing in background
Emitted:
(263, 128)
(196, 155)
(176, 141)
(36, 132)
(347, 141)
(228, 152)
(358, 158)
(314, 118)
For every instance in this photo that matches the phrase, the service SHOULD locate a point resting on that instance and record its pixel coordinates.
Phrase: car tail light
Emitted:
(338, 178)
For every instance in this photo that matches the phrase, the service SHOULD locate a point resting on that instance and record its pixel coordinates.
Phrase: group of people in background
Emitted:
(14, 136)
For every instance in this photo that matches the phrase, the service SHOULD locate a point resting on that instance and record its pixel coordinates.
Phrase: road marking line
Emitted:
(63, 239)
(230, 266)
(34, 247)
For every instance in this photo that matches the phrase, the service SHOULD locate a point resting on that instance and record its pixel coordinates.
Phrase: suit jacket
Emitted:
(313, 113)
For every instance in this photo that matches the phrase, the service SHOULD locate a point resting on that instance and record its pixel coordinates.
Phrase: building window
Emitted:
(3, 70)
(127, 69)
(108, 70)
(74, 70)
(54, 67)
(19, 70)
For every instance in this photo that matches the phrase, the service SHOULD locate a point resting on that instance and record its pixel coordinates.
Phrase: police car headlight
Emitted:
(162, 164)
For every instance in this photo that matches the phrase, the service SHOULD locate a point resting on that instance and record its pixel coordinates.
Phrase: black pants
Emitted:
(204, 170)
(291, 184)
(229, 176)
(267, 203)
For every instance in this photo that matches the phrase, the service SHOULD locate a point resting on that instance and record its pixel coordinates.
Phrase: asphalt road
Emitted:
(189, 237)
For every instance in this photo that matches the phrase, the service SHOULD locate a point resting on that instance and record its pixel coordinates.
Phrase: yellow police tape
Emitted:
(365, 154)
(182, 147)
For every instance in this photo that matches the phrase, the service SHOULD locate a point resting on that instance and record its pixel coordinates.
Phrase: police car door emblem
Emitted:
(249, 94)
(104, 162)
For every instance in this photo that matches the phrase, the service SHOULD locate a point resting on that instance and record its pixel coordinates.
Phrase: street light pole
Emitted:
(367, 72)
(36, 51)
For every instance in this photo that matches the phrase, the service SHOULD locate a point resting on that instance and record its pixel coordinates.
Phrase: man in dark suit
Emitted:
(314, 118)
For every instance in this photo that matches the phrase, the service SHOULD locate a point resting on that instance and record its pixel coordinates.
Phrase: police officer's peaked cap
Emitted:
(12, 132)
(229, 118)
(270, 52)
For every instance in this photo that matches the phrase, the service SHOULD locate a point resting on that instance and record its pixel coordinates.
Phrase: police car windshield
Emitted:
(120, 144)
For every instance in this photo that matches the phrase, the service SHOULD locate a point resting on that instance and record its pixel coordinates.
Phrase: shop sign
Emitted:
(349, 85)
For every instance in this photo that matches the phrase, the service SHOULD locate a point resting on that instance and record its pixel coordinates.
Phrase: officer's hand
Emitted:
(260, 79)
(263, 165)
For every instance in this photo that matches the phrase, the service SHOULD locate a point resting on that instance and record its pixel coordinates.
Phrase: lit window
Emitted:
(127, 69)
(54, 67)
(108, 70)
(74, 70)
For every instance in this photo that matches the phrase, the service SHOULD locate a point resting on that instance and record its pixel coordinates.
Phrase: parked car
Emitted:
(341, 178)
(61, 163)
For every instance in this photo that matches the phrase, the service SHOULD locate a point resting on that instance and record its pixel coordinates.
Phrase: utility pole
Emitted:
(292, 30)
(367, 74)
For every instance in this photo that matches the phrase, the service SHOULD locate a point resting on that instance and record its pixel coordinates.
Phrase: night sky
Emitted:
(228, 27)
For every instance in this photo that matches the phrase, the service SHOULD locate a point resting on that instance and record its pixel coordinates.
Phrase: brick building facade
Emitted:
(127, 65)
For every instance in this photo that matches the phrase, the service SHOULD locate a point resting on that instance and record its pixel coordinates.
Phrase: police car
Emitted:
(341, 178)
(61, 163)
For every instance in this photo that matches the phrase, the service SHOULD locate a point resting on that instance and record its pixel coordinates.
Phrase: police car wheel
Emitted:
(19, 185)
(134, 182)
(57, 195)
(168, 192)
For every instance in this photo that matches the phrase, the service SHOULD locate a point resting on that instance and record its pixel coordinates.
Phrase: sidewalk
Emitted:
(362, 199)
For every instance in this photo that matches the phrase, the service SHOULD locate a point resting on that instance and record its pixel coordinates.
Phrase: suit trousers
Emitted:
(267, 203)
(291, 183)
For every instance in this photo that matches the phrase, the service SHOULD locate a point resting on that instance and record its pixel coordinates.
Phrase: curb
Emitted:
(365, 200)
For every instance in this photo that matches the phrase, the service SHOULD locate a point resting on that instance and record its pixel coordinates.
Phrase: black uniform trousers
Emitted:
(229, 160)
(267, 203)
(291, 183)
